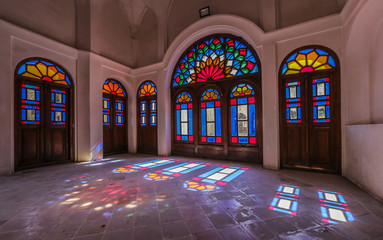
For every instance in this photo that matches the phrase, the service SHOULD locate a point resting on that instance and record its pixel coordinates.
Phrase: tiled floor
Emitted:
(93, 202)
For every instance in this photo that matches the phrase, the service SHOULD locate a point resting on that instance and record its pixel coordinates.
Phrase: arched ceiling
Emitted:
(122, 29)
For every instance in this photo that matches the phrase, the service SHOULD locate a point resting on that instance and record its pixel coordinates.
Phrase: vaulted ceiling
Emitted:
(137, 32)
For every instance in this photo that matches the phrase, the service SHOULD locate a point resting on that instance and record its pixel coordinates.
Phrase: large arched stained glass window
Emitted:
(308, 60)
(184, 117)
(242, 114)
(113, 87)
(211, 131)
(214, 58)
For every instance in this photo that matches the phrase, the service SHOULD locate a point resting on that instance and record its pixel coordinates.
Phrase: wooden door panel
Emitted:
(294, 147)
(29, 147)
(107, 140)
(59, 144)
(120, 139)
(146, 133)
(321, 148)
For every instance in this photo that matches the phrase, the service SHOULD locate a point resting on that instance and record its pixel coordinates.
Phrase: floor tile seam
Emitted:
(82, 224)
(108, 223)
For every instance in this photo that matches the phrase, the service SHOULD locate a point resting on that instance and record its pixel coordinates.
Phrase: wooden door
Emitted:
(42, 123)
(147, 125)
(114, 122)
(310, 121)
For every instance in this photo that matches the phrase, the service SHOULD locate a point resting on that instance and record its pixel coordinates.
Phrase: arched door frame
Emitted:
(335, 115)
(17, 96)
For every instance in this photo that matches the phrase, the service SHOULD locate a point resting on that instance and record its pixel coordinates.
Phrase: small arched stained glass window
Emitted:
(184, 117)
(308, 60)
(44, 70)
(242, 114)
(211, 116)
(114, 88)
(147, 89)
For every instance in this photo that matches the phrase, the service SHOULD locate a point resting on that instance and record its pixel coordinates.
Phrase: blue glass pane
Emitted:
(203, 121)
(287, 113)
(52, 116)
(321, 52)
(218, 121)
(328, 111)
(184, 138)
(184, 106)
(243, 140)
(52, 97)
(287, 93)
(299, 113)
(315, 113)
(327, 88)
(233, 121)
(242, 100)
(292, 57)
(23, 115)
(210, 104)
(252, 120)
(306, 50)
(190, 115)
(211, 139)
(63, 117)
(331, 61)
(299, 91)
(178, 122)
(284, 69)
(21, 69)
(23, 93)
(314, 90)
(321, 120)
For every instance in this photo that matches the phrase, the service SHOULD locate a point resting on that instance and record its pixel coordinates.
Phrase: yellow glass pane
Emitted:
(294, 65)
(320, 60)
(61, 82)
(311, 57)
(323, 67)
(33, 70)
(52, 71)
(26, 74)
(42, 67)
(205, 98)
(235, 94)
(209, 61)
(301, 58)
(248, 92)
(291, 72)
(215, 96)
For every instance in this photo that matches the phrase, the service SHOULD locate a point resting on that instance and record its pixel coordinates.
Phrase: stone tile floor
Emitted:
(72, 201)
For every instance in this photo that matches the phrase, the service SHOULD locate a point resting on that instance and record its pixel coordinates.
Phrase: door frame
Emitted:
(335, 92)
(17, 101)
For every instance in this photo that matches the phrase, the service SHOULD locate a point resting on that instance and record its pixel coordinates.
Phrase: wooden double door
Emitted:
(310, 121)
(114, 124)
(147, 124)
(42, 123)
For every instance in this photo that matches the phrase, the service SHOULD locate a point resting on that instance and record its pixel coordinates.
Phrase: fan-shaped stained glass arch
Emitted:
(183, 97)
(210, 94)
(213, 58)
(44, 70)
(308, 60)
(242, 89)
(147, 89)
(113, 87)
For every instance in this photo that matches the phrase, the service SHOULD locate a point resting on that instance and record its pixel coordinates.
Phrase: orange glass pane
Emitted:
(30, 75)
(311, 57)
(43, 68)
(52, 71)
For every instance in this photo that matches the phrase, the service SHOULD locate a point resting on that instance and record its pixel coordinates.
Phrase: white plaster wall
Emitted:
(365, 153)
(363, 84)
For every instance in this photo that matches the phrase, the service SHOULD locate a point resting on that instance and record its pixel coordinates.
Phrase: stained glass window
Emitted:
(147, 89)
(211, 116)
(119, 116)
(30, 104)
(153, 113)
(321, 100)
(143, 113)
(43, 70)
(308, 60)
(106, 111)
(114, 88)
(214, 58)
(184, 117)
(58, 111)
(293, 102)
(242, 114)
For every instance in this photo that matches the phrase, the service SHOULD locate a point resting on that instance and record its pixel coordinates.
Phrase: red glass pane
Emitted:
(252, 140)
(251, 99)
(217, 103)
(233, 102)
(190, 138)
(234, 139)
(203, 105)
(179, 137)
(218, 139)
(203, 139)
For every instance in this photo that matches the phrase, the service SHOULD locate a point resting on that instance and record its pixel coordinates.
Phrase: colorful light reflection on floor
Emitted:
(103, 161)
(286, 199)
(218, 176)
(334, 207)
(144, 165)
(175, 171)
